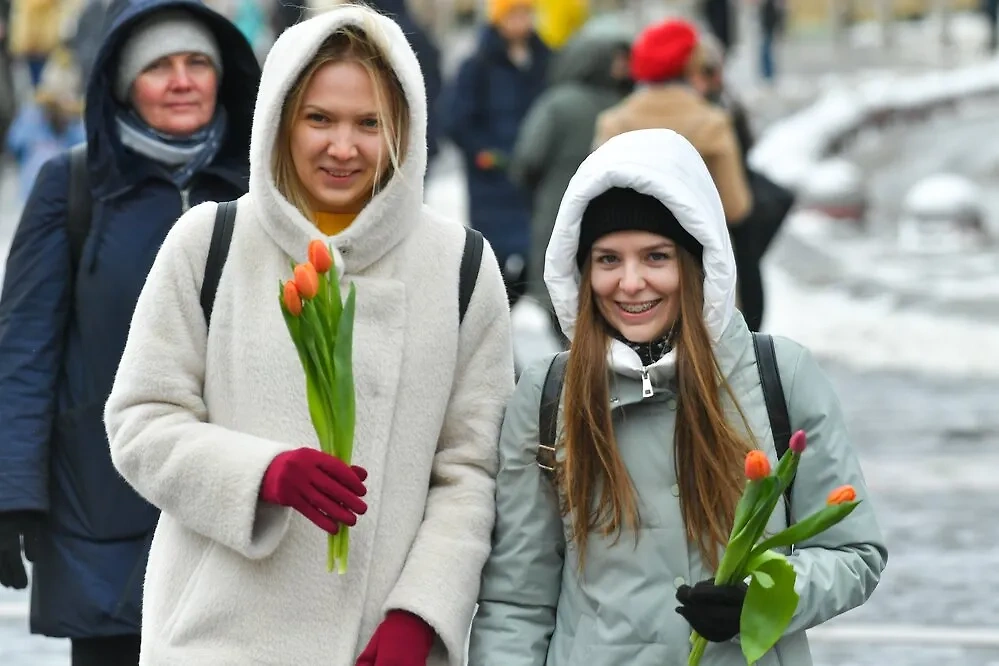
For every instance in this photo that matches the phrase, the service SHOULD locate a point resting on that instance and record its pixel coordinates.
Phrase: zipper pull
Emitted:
(185, 200)
(647, 391)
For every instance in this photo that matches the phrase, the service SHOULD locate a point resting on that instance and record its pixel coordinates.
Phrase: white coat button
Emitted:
(675, 490)
(678, 582)
(671, 403)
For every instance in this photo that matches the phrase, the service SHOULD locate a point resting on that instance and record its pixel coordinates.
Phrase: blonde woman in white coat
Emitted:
(211, 425)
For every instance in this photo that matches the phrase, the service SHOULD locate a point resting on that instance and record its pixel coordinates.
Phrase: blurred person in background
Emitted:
(772, 18)
(719, 16)
(483, 109)
(168, 114)
(589, 75)
(8, 103)
(88, 34)
(34, 33)
(667, 64)
(559, 20)
(50, 124)
(771, 202)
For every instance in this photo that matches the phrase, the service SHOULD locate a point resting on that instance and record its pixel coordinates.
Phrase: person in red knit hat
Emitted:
(667, 64)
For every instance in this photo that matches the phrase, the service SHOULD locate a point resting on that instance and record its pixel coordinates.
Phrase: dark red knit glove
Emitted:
(321, 487)
(402, 639)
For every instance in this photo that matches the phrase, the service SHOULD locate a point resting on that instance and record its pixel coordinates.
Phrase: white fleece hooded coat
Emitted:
(195, 417)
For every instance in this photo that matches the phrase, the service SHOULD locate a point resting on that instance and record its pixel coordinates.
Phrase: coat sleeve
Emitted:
(838, 569)
(464, 116)
(203, 475)
(440, 579)
(521, 582)
(34, 310)
(536, 141)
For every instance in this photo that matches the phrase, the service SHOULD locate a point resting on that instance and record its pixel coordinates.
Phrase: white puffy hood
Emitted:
(394, 212)
(662, 164)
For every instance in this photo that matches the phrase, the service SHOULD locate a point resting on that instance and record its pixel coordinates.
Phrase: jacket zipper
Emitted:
(647, 391)
(185, 199)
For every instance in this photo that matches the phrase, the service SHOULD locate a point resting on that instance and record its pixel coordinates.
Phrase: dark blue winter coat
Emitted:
(61, 340)
(429, 57)
(484, 109)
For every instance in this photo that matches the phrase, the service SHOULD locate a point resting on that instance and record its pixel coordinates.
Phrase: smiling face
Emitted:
(176, 94)
(635, 277)
(338, 145)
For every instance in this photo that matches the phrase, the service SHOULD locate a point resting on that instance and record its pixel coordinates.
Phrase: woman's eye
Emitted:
(370, 123)
(200, 62)
(606, 259)
(659, 256)
(315, 117)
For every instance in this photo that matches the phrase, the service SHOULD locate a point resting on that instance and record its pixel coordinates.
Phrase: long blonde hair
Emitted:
(348, 44)
(708, 452)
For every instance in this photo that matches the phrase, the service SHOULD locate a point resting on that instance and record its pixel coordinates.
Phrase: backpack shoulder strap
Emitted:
(773, 395)
(218, 251)
(78, 203)
(471, 259)
(551, 395)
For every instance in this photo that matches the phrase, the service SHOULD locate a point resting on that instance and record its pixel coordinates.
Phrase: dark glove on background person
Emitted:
(319, 486)
(402, 639)
(14, 525)
(713, 611)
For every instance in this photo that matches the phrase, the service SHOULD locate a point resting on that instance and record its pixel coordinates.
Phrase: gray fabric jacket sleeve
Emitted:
(838, 569)
(535, 141)
(522, 577)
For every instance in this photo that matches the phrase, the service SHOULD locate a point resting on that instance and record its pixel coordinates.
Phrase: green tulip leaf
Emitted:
(805, 529)
(768, 610)
(344, 389)
(763, 578)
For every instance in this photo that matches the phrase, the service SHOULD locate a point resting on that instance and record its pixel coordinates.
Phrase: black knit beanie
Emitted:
(624, 209)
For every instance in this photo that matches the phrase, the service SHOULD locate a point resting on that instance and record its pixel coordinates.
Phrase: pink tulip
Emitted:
(798, 441)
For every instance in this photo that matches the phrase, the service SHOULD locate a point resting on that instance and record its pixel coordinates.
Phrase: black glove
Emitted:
(713, 611)
(14, 525)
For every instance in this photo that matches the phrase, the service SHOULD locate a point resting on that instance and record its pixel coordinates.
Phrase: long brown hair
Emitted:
(596, 491)
(348, 44)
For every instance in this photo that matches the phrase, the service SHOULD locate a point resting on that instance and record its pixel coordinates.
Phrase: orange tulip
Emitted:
(319, 256)
(307, 280)
(757, 465)
(841, 495)
(292, 299)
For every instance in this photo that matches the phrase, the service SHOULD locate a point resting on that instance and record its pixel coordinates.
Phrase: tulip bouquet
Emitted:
(770, 599)
(322, 327)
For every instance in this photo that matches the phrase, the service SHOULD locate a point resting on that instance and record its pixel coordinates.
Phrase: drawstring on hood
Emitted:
(379, 227)
(662, 164)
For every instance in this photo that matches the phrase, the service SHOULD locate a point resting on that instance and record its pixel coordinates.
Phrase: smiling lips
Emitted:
(639, 308)
(339, 173)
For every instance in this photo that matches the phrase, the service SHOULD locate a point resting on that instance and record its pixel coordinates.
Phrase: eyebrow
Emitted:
(665, 245)
(359, 114)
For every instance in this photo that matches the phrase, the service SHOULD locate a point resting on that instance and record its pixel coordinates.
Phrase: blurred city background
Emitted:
(882, 116)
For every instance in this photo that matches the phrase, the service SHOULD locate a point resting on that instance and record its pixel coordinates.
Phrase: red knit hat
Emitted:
(661, 52)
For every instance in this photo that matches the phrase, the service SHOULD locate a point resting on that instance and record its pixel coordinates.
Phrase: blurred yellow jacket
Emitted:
(558, 20)
(34, 27)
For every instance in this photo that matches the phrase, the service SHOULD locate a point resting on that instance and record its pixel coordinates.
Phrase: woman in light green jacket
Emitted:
(662, 400)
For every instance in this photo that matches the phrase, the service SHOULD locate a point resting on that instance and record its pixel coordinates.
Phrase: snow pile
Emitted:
(875, 334)
(792, 147)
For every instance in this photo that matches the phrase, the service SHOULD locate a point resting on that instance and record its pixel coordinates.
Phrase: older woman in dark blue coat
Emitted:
(168, 111)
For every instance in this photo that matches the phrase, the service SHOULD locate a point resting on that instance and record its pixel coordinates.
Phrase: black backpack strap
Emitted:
(471, 259)
(551, 395)
(78, 203)
(773, 395)
(225, 220)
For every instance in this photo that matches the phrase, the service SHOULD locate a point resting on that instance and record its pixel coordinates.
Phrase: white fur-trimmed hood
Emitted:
(380, 226)
(659, 163)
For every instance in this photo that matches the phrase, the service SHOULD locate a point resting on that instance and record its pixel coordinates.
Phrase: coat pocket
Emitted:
(91, 498)
(588, 649)
(184, 600)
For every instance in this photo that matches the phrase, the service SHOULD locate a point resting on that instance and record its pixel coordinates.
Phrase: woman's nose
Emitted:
(342, 145)
(632, 278)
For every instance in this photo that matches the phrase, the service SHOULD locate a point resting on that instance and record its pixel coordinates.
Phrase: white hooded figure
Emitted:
(211, 425)
(606, 544)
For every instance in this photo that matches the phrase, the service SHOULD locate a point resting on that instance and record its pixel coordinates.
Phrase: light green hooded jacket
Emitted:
(535, 608)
